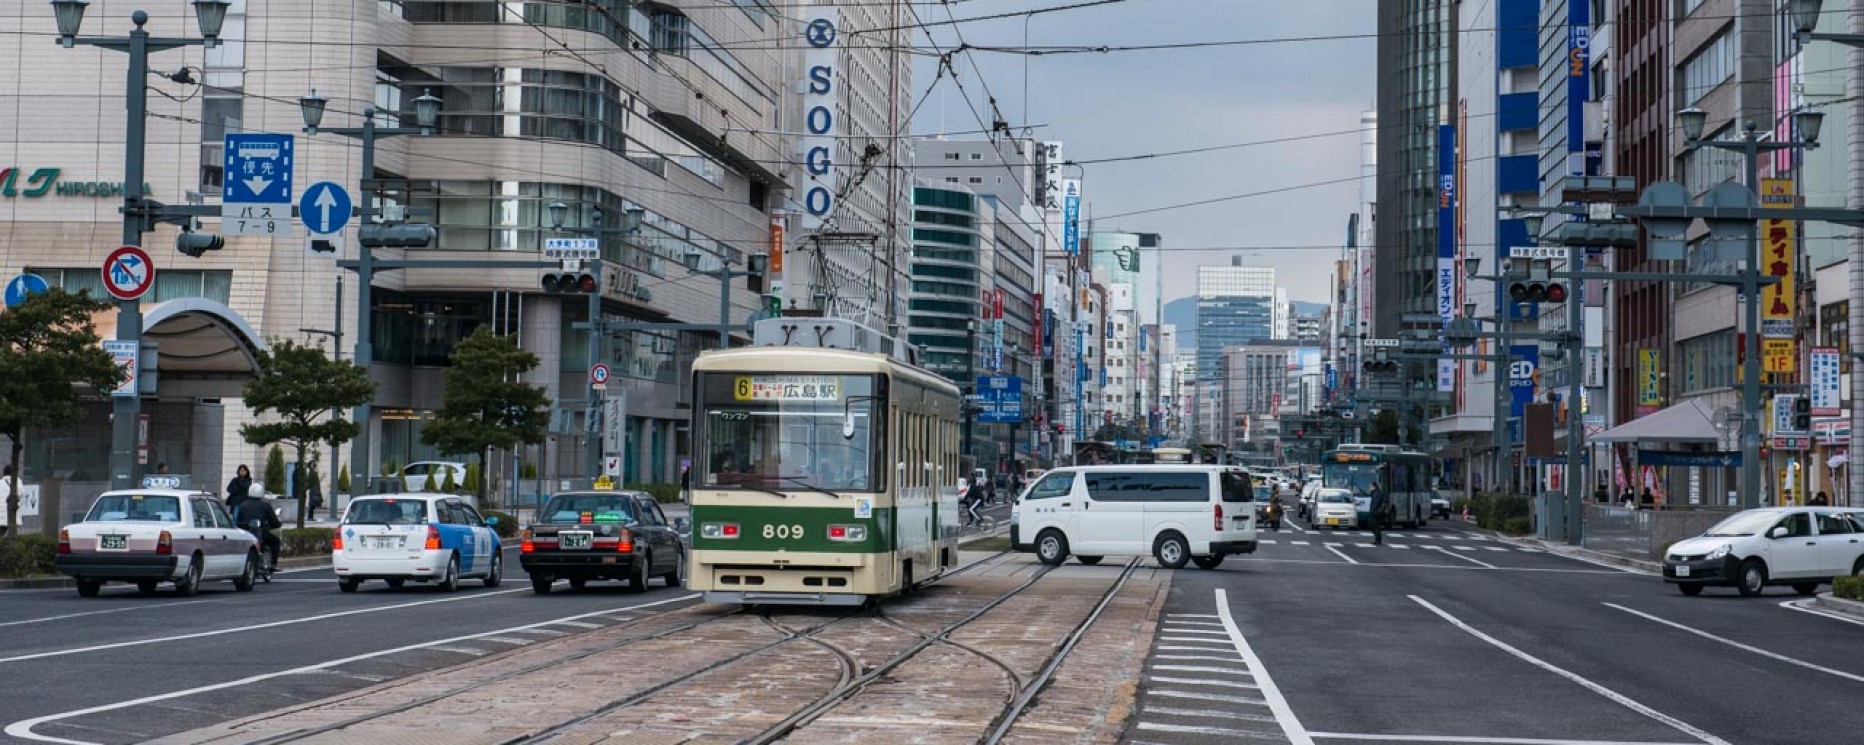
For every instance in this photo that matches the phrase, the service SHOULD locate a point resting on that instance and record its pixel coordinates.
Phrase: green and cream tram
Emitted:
(824, 474)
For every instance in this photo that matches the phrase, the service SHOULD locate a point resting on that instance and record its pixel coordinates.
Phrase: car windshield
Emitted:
(1336, 496)
(135, 508)
(1746, 523)
(386, 512)
(588, 508)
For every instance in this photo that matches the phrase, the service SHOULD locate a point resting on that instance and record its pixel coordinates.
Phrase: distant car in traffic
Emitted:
(150, 536)
(420, 537)
(414, 475)
(1335, 509)
(619, 535)
(1801, 547)
(1439, 506)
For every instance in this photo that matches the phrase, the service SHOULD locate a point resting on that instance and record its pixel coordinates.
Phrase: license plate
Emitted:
(1333, 521)
(384, 541)
(575, 540)
(1682, 571)
(113, 543)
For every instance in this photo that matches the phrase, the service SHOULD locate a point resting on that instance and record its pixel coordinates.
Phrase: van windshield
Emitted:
(386, 512)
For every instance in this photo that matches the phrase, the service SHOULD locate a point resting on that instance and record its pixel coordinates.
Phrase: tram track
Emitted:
(1029, 691)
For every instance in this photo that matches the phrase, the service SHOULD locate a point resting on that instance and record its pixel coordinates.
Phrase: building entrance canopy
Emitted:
(1690, 421)
(204, 349)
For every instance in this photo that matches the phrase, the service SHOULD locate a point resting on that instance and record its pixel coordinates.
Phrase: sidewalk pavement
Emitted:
(1579, 553)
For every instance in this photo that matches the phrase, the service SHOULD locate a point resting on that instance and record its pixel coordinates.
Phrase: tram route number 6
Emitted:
(783, 532)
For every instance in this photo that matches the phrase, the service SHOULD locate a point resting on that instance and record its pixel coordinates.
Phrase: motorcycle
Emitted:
(1272, 515)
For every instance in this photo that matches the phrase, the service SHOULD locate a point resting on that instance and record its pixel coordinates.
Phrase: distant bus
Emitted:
(1403, 476)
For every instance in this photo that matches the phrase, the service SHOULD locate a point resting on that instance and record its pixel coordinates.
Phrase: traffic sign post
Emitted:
(326, 208)
(256, 193)
(598, 376)
(23, 285)
(128, 273)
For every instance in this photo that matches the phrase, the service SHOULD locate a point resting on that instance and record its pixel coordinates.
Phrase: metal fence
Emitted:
(1643, 534)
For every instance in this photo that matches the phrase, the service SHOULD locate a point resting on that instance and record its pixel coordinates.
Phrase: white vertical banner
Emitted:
(1825, 386)
(821, 36)
(615, 420)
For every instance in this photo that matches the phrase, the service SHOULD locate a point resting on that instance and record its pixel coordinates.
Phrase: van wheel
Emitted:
(450, 582)
(1690, 590)
(1171, 551)
(1806, 588)
(349, 585)
(1089, 560)
(1051, 548)
(1207, 562)
(1752, 578)
(88, 588)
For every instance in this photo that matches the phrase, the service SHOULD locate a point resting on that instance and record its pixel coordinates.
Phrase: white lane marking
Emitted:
(512, 640)
(1208, 713)
(463, 650)
(1477, 562)
(1296, 528)
(580, 625)
(1465, 548)
(23, 728)
(1399, 545)
(1337, 552)
(1218, 632)
(81, 614)
(1193, 639)
(1738, 645)
(1494, 548)
(1202, 669)
(254, 627)
(1192, 615)
(1204, 657)
(1198, 682)
(1268, 541)
(1483, 740)
(1399, 565)
(1195, 696)
(1194, 623)
(1191, 730)
(1284, 714)
(1299, 543)
(1800, 605)
(1366, 545)
(1594, 562)
(1588, 684)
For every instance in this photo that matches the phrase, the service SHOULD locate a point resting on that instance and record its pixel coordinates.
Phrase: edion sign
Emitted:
(821, 98)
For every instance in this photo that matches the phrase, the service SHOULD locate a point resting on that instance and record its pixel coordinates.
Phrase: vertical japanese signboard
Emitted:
(1777, 252)
(1649, 374)
(821, 101)
(1447, 271)
(1822, 365)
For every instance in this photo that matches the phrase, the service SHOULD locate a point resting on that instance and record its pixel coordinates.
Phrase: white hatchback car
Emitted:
(1802, 547)
(420, 537)
(1334, 508)
(150, 536)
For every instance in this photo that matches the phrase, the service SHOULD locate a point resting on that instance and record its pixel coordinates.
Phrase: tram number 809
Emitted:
(783, 532)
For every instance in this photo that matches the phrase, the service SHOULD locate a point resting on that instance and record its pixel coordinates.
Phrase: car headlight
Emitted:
(1720, 551)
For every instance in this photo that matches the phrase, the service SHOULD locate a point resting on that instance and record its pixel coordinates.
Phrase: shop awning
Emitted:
(1689, 421)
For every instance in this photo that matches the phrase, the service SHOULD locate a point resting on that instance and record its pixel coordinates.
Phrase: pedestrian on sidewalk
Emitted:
(240, 488)
(1598, 493)
(1379, 505)
(1820, 500)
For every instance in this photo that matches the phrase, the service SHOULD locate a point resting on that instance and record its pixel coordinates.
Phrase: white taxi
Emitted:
(421, 537)
(150, 536)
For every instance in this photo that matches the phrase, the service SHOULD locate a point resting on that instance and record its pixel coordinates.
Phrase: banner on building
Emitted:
(1071, 216)
(1578, 83)
(1523, 374)
(1777, 252)
(1447, 265)
(1823, 369)
(821, 100)
(1778, 355)
(1649, 381)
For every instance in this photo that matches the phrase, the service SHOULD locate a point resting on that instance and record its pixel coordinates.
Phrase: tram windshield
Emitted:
(789, 431)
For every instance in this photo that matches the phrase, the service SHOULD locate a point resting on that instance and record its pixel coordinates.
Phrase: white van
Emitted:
(1175, 513)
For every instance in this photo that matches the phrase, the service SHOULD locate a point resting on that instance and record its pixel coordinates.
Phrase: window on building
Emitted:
(951, 156)
(951, 179)
(977, 156)
(170, 284)
(1710, 67)
(977, 179)
(1708, 361)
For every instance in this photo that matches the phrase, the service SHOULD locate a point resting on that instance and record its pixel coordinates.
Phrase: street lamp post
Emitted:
(427, 116)
(139, 214)
(1750, 146)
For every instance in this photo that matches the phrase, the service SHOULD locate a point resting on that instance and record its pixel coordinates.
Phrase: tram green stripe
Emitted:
(813, 522)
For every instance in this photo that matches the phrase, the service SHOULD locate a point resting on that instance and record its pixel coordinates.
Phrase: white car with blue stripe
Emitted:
(396, 538)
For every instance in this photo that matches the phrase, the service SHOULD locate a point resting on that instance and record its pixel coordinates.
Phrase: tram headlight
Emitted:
(718, 530)
(847, 533)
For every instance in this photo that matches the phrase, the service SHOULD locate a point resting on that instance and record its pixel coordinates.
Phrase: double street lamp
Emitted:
(140, 214)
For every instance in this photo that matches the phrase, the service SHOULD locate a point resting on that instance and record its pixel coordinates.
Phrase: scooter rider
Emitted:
(257, 517)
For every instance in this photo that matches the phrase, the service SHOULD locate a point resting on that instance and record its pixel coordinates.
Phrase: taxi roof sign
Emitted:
(604, 483)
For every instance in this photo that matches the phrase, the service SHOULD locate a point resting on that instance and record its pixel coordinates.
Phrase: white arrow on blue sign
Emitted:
(258, 169)
(325, 208)
(19, 287)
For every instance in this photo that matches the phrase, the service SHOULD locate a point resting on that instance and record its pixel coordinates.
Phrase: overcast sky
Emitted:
(1105, 105)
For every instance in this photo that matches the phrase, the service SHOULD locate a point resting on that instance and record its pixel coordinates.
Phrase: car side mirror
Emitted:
(1779, 531)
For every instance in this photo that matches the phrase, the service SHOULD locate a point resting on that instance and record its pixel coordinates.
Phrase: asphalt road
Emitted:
(123, 668)
(1443, 636)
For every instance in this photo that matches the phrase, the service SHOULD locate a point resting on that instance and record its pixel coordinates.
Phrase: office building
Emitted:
(1236, 304)
(1416, 55)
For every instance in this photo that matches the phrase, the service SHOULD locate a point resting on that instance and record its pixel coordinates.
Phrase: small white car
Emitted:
(150, 536)
(1334, 508)
(414, 475)
(421, 537)
(1802, 547)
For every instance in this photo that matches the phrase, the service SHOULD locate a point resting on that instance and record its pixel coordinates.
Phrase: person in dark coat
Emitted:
(1820, 500)
(240, 488)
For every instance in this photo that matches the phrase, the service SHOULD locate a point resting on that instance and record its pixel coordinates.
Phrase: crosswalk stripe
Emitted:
(1195, 682)
(1187, 657)
(1465, 548)
(1190, 615)
(1209, 714)
(1193, 623)
(1267, 540)
(1219, 731)
(1495, 548)
(1224, 634)
(1399, 545)
(1195, 696)
(1203, 669)
(1299, 543)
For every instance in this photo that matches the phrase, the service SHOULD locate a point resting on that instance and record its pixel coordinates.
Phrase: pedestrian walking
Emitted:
(1378, 505)
(316, 498)
(240, 488)
(1646, 500)
(1598, 494)
(1820, 500)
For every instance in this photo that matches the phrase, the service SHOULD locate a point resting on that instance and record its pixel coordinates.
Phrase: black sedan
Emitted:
(619, 535)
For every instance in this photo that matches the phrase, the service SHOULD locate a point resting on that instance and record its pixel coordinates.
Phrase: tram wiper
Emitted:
(764, 490)
(809, 486)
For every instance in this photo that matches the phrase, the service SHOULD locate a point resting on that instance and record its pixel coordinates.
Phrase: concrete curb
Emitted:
(1582, 554)
(1827, 601)
(58, 583)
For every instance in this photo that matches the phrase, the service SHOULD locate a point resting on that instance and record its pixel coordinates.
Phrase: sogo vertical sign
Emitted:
(821, 59)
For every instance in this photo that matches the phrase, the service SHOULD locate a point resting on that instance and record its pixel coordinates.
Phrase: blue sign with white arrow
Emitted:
(19, 287)
(325, 208)
(258, 169)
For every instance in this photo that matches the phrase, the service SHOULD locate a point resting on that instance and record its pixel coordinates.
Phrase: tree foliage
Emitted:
(301, 386)
(487, 403)
(49, 352)
(274, 476)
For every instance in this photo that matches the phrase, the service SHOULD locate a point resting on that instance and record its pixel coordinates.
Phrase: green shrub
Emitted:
(27, 554)
(391, 468)
(1849, 588)
(475, 479)
(447, 484)
(306, 541)
(1493, 511)
(663, 493)
(507, 526)
(1517, 525)
(343, 483)
(429, 485)
(275, 471)
(530, 470)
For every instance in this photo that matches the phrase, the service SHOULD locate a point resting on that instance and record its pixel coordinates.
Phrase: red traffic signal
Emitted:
(1537, 292)
(1556, 292)
(569, 283)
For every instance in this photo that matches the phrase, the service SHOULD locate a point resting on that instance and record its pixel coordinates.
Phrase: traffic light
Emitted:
(1802, 414)
(1537, 291)
(198, 244)
(377, 235)
(570, 283)
(1379, 366)
(773, 305)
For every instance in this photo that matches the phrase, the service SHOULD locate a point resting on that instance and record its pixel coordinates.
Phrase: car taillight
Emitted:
(64, 541)
(1216, 517)
(525, 544)
(718, 530)
(336, 542)
(626, 544)
(165, 544)
(433, 538)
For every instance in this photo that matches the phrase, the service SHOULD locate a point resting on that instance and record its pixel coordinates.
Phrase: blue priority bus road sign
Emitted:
(255, 192)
